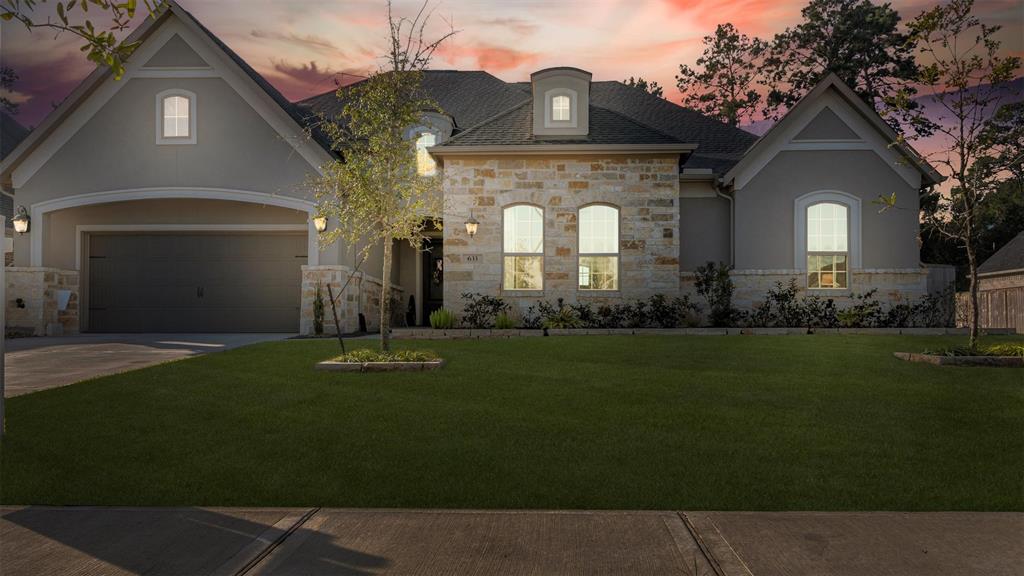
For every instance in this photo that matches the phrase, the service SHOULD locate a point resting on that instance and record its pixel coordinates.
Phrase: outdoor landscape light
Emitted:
(320, 223)
(471, 226)
(21, 220)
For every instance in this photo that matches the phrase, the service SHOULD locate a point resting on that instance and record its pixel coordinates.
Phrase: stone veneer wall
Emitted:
(38, 289)
(645, 188)
(752, 285)
(361, 295)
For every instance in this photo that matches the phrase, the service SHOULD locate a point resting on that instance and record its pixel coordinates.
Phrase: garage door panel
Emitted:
(195, 282)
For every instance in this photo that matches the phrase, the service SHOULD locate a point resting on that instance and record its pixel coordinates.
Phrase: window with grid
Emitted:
(827, 246)
(523, 247)
(599, 248)
(560, 109)
(176, 117)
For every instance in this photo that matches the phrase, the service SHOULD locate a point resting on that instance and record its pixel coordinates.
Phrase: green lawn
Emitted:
(753, 423)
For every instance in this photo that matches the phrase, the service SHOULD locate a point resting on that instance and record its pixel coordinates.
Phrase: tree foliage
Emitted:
(723, 84)
(375, 193)
(102, 45)
(7, 79)
(966, 78)
(859, 41)
(650, 87)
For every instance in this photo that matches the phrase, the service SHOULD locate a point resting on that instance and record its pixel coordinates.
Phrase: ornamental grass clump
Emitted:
(367, 355)
(442, 319)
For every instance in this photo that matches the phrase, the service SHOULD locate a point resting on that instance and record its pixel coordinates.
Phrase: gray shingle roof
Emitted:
(719, 146)
(468, 97)
(1009, 257)
(515, 128)
(475, 97)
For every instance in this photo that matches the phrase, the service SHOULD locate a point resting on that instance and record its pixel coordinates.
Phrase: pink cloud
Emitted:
(487, 56)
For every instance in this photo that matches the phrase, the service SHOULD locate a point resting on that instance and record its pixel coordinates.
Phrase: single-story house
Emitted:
(1000, 289)
(173, 199)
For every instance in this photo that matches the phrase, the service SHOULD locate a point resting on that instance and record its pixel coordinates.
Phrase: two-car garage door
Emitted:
(195, 282)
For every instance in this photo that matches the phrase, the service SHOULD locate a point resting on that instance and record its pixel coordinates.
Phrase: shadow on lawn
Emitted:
(160, 541)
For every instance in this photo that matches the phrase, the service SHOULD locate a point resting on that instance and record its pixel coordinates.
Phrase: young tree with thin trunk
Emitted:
(724, 83)
(375, 193)
(965, 79)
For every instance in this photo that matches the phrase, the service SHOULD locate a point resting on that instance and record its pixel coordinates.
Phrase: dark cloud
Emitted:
(46, 84)
(297, 81)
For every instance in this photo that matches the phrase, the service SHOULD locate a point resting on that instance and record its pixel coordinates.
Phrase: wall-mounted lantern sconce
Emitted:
(320, 223)
(21, 220)
(471, 225)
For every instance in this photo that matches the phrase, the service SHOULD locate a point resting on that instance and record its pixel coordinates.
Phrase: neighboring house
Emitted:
(174, 199)
(1000, 289)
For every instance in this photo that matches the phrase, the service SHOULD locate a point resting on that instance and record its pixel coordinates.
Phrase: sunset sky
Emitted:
(301, 46)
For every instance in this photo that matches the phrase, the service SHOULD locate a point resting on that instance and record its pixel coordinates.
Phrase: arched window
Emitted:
(828, 246)
(176, 117)
(599, 247)
(523, 247)
(561, 107)
(425, 164)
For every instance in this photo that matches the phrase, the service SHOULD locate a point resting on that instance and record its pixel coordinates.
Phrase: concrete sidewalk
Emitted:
(310, 542)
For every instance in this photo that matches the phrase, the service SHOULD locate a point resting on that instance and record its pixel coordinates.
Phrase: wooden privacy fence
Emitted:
(997, 308)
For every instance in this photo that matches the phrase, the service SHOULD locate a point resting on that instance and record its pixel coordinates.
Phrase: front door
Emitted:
(433, 278)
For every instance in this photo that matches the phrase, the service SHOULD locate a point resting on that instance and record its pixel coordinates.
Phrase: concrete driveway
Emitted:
(34, 364)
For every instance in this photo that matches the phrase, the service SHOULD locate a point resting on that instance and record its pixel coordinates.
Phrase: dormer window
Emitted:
(561, 103)
(560, 108)
(176, 117)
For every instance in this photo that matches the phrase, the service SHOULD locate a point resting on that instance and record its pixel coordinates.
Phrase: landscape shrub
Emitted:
(561, 318)
(503, 321)
(715, 285)
(481, 310)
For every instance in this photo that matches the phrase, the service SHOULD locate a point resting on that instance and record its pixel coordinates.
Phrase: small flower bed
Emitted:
(367, 355)
(1004, 349)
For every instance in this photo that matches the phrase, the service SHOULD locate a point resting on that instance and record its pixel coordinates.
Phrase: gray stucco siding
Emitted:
(703, 232)
(765, 208)
(116, 149)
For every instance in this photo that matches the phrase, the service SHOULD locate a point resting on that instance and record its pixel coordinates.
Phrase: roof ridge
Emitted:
(486, 121)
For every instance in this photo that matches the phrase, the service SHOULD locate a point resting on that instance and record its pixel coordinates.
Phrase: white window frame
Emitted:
(541, 255)
(617, 254)
(192, 113)
(549, 97)
(853, 238)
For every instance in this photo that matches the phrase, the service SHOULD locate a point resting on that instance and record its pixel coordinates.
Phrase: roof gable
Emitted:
(176, 53)
(152, 35)
(826, 126)
(870, 130)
